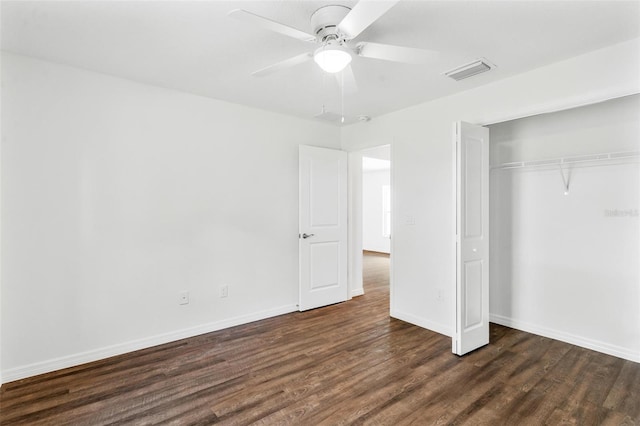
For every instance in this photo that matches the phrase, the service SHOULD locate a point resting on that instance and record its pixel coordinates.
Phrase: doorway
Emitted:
(376, 217)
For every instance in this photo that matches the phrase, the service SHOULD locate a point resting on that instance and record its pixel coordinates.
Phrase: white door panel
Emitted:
(323, 227)
(472, 239)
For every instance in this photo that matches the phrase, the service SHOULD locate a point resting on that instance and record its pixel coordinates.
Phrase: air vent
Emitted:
(470, 69)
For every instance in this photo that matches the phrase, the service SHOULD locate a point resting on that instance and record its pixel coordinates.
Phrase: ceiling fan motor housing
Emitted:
(325, 20)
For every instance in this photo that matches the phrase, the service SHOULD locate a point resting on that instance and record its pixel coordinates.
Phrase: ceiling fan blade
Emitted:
(363, 14)
(243, 15)
(347, 80)
(388, 52)
(283, 64)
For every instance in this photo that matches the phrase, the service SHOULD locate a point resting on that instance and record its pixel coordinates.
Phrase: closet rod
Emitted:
(627, 155)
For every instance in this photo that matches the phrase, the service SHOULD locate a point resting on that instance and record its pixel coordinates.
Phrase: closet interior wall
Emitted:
(565, 240)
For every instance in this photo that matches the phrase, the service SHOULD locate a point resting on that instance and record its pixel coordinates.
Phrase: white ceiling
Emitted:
(194, 47)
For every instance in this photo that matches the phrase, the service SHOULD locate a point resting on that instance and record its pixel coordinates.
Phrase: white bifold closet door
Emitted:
(472, 238)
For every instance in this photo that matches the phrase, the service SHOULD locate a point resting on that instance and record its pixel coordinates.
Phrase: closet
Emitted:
(565, 225)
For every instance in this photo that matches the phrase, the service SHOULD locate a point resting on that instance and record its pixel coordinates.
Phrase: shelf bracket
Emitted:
(565, 180)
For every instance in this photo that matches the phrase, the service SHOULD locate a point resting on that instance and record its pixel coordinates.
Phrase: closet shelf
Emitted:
(594, 158)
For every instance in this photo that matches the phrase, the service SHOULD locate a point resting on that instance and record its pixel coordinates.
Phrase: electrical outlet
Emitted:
(184, 298)
(224, 291)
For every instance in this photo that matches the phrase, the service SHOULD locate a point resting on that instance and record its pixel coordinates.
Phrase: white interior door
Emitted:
(322, 227)
(472, 238)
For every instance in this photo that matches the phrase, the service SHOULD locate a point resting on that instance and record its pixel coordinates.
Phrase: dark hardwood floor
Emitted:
(342, 364)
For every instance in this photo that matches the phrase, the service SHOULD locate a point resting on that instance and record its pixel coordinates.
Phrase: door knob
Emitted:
(305, 236)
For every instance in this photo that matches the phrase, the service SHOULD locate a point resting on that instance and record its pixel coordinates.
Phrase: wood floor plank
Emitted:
(360, 380)
(342, 364)
(624, 396)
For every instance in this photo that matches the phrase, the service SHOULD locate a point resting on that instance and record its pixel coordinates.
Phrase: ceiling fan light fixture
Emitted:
(332, 58)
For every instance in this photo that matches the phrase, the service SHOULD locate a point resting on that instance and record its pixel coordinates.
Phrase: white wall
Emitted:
(117, 196)
(372, 214)
(562, 265)
(422, 151)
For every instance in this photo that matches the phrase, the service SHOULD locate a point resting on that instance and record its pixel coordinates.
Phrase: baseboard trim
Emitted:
(375, 251)
(609, 349)
(134, 345)
(357, 292)
(421, 322)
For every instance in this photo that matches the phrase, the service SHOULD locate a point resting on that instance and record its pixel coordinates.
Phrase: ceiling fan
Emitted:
(333, 29)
